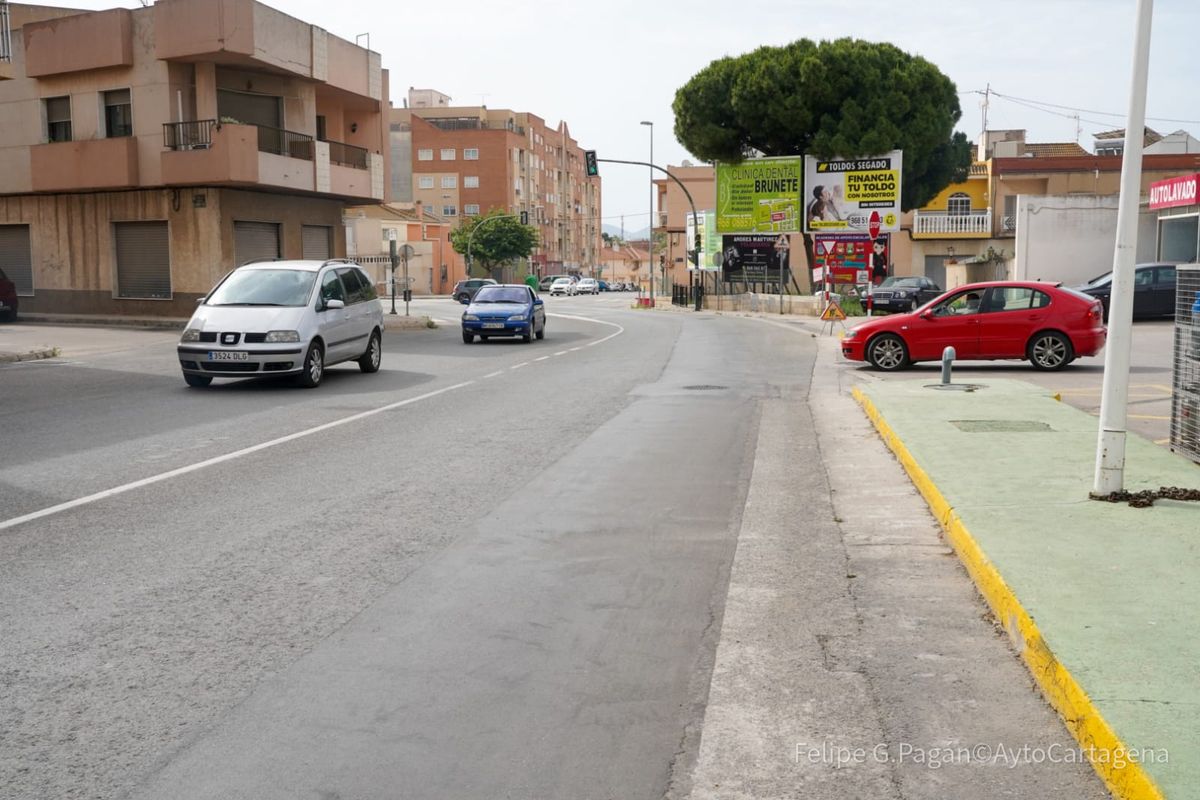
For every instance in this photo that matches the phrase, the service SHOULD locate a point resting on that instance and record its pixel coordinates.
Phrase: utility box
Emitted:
(1185, 402)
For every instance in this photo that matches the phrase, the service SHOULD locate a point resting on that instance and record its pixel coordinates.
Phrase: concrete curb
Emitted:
(1125, 779)
(32, 355)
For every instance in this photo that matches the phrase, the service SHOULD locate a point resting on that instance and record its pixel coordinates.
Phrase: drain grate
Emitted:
(1000, 426)
(704, 387)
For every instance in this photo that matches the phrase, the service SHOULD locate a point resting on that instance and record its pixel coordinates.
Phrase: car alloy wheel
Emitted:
(1050, 351)
(887, 352)
(370, 360)
(314, 367)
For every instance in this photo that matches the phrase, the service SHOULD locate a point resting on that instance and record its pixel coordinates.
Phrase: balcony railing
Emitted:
(195, 135)
(285, 143)
(939, 222)
(1008, 224)
(347, 155)
(5, 33)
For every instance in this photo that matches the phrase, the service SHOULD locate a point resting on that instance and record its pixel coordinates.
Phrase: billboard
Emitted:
(751, 258)
(1175, 192)
(759, 195)
(710, 240)
(852, 258)
(852, 195)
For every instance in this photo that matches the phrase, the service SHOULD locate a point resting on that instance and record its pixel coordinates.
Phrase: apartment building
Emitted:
(975, 222)
(145, 152)
(465, 161)
(433, 264)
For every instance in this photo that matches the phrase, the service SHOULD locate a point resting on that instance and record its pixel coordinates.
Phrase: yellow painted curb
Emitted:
(1109, 756)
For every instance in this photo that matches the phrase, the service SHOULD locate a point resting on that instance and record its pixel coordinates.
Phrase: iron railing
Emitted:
(1008, 224)
(5, 33)
(194, 135)
(285, 143)
(347, 155)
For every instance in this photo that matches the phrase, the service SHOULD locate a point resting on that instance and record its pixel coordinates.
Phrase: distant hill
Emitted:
(630, 235)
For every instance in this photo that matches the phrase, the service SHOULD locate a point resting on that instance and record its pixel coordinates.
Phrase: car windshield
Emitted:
(894, 282)
(264, 287)
(565, 281)
(1102, 280)
(502, 294)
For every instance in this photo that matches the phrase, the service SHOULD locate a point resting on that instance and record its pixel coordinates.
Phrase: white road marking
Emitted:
(175, 473)
(496, 374)
(518, 366)
(543, 358)
(561, 352)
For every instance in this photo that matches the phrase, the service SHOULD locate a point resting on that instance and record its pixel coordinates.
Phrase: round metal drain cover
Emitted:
(704, 387)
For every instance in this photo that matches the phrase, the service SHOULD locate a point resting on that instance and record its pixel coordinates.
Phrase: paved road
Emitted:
(488, 571)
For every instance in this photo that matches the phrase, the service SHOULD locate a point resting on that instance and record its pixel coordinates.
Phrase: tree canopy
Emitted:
(498, 238)
(846, 98)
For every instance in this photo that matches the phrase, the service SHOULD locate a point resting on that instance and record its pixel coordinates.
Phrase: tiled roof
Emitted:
(1053, 149)
(1151, 135)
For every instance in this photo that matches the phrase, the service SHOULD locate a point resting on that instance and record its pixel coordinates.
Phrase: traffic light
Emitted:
(589, 162)
(524, 217)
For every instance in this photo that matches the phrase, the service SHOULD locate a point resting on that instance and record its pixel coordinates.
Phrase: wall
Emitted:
(1069, 239)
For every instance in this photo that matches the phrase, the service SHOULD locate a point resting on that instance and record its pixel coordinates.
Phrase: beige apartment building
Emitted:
(145, 152)
(463, 161)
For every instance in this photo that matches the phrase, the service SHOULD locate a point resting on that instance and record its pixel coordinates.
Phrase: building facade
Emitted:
(433, 265)
(145, 152)
(466, 161)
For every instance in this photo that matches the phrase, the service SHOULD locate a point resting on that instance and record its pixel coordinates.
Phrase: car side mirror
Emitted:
(538, 301)
(928, 314)
(334, 303)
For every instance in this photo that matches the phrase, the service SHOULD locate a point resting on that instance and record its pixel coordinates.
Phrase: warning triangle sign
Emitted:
(833, 312)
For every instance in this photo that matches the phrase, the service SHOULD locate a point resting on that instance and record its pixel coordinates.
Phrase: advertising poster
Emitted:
(857, 195)
(710, 241)
(852, 258)
(760, 195)
(753, 258)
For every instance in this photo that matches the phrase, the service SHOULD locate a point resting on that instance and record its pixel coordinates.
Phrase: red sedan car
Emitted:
(1045, 323)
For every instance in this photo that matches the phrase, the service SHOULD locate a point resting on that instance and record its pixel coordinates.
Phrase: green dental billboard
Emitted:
(760, 195)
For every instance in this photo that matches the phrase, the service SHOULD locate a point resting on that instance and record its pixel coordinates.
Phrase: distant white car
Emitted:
(587, 286)
(564, 286)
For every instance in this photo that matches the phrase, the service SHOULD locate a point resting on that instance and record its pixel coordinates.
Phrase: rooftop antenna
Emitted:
(987, 100)
(483, 96)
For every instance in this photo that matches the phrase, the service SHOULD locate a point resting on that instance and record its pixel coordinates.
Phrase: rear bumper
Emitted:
(1089, 343)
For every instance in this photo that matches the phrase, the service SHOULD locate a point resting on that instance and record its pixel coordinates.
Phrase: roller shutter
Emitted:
(317, 242)
(15, 257)
(254, 241)
(143, 260)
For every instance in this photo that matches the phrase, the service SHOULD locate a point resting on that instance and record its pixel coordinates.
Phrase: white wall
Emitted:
(1072, 238)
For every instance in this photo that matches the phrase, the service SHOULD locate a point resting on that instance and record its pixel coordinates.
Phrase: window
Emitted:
(331, 288)
(425, 182)
(959, 205)
(471, 153)
(449, 211)
(471, 182)
(448, 154)
(355, 291)
(58, 119)
(118, 114)
(471, 209)
(449, 181)
(425, 154)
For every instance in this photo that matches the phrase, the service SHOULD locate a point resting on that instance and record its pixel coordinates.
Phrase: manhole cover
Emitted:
(955, 387)
(1000, 425)
(704, 387)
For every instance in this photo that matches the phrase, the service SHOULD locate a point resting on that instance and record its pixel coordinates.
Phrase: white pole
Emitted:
(1110, 446)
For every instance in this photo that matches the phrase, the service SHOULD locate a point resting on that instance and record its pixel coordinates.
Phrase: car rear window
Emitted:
(1078, 294)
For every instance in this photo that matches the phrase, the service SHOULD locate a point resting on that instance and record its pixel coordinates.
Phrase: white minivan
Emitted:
(271, 318)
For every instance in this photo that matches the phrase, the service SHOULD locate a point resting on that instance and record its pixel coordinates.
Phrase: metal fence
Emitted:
(1185, 398)
(196, 135)
(285, 143)
(347, 155)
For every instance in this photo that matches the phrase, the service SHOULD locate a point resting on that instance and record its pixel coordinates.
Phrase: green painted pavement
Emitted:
(1114, 590)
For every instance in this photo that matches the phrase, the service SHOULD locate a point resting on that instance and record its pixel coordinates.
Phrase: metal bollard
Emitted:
(947, 358)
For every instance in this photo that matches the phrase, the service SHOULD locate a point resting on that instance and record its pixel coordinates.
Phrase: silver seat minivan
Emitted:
(271, 318)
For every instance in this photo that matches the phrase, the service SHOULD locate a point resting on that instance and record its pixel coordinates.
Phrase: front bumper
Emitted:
(854, 349)
(479, 328)
(198, 359)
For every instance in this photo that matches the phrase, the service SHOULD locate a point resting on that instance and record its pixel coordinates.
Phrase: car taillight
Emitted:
(1096, 312)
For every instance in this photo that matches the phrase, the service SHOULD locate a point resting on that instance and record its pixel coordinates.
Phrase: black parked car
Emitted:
(1153, 290)
(465, 291)
(904, 294)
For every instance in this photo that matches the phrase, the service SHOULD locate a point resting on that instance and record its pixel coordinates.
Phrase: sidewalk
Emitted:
(1099, 598)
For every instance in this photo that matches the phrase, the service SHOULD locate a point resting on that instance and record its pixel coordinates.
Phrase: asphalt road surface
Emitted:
(488, 571)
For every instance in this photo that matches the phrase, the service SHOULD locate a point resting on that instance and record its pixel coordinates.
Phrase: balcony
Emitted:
(940, 225)
(6, 71)
(84, 42)
(87, 164)
(207, 153)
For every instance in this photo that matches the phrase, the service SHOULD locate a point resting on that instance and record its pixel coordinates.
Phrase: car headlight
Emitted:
(470, 318)
(850, 334)
(518, 318)
(190, 335)
(282, 336)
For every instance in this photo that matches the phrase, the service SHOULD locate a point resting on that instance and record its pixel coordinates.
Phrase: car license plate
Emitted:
(228, 355)
(493, 324)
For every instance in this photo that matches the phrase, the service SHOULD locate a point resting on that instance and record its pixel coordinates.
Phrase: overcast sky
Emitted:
(605, 66)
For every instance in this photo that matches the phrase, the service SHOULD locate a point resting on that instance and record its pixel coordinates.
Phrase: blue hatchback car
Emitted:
(504, 310)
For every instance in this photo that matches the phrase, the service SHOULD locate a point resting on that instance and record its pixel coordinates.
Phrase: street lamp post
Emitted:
(650, 244)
